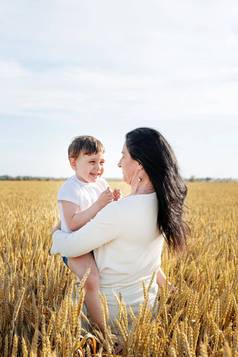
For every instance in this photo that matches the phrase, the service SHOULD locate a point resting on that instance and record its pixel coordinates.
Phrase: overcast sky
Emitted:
(102, 68)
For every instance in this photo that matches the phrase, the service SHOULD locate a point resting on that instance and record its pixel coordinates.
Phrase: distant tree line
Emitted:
(39, 178)
(207, 179)
(29, 178)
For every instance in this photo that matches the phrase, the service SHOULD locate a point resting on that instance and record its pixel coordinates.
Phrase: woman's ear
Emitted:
(140, 172)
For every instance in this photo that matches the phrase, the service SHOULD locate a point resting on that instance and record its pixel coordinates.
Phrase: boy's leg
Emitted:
(79, 266)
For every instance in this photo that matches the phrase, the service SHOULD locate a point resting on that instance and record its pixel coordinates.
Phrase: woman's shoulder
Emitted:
(126, 203)
(133, 199)
(134, 203)
(131, 211)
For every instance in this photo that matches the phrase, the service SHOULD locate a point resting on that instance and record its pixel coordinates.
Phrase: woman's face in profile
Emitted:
(129, 166)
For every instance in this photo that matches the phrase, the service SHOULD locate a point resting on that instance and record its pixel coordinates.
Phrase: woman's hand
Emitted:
(116, 194)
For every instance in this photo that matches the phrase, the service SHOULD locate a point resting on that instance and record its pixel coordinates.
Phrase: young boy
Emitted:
(80, 198)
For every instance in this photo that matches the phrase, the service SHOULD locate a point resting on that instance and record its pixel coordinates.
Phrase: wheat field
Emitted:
(38, 316)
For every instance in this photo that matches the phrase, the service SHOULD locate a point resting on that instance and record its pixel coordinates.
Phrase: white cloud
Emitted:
(10, 69)
(72, 92)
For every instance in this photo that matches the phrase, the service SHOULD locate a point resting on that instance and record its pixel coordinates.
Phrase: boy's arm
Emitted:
(74, 217)
(77, 218)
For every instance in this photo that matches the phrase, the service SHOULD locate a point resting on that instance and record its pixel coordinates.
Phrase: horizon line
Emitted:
(30, 177)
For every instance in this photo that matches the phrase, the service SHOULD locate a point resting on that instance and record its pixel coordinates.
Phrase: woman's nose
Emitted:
(119, 164)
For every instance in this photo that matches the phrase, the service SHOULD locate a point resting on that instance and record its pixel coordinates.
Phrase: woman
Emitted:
(127, 236)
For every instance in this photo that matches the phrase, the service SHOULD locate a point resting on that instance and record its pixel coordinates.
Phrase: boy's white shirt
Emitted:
(80, 193)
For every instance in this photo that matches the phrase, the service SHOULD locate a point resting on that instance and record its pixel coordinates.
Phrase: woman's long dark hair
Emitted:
(153, 152)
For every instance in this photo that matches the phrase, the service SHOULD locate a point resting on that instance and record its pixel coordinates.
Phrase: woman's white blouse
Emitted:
(126, 243)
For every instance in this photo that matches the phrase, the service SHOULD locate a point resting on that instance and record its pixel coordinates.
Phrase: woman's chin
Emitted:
(125, 179)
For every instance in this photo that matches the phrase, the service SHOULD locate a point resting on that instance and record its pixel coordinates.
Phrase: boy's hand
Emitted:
(105, 198)
(116, 194)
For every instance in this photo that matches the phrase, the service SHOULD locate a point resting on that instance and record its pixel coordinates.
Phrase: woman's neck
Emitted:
(142, 187)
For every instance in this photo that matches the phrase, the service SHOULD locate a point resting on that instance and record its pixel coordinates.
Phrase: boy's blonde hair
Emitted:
(84, 144)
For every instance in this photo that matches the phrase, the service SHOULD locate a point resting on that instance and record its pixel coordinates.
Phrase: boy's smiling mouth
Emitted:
(94, 175)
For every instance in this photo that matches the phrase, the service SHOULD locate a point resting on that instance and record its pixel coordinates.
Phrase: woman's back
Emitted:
(134, 253)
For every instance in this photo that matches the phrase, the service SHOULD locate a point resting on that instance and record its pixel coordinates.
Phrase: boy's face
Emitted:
(88, 167)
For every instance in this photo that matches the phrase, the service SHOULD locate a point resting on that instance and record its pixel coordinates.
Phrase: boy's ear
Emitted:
(72, 162)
